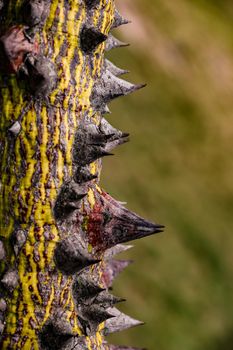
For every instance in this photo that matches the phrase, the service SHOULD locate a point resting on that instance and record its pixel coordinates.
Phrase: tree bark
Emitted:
(59, 230)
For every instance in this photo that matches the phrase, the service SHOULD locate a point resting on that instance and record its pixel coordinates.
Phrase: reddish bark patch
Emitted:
(95, 226)
(14, 46)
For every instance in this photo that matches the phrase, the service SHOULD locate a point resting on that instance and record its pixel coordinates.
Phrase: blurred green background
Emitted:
(177, 170)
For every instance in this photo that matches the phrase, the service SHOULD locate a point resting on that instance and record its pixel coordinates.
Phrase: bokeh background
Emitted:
(177, 170)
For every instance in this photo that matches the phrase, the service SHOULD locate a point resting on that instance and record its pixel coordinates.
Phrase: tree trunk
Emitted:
(59, 231)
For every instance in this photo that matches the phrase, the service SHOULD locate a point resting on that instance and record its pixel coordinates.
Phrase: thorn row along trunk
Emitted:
(59, 231)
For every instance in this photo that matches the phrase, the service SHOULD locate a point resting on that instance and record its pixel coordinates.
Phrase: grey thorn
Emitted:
(114, 69)
(112, 269)
(119, 20)
(110, 87)
(95, 315)
(68, 200)
(3, 305)
(119, 248)
(56, 333)
(2, 251)
(106, 300)
(114, 43)
(84, 289)
(83, 175)
(15, 128)
(71, 256)
(19, 238)
(105, 110)
(10, 280)
(90, 38)
(40, 74)
(120, 322)
(35, 12)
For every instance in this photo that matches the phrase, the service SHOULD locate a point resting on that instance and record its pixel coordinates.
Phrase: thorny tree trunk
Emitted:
(59, 231)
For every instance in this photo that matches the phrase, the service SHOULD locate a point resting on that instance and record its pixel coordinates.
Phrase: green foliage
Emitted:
(178, 168)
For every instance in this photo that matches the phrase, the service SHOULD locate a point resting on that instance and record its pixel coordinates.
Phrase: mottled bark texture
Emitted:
(59, 230)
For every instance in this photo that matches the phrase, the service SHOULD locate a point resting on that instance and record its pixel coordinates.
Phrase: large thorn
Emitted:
(92, 142)
(110, 87)
(15, 129)
(56, 334)
(3, 305)
(112, 269)
(114, 69)
(90, 38)
(120, 322)
(68, 200)
(110, 223)
(40, 74)
(83, 175)
(35, 12)
(18, 239)
(85, 289)
(71, 256)
(95, 315)
(119, 248)
(106, 300)
(119, 20)
(10, 280)
(113, 43)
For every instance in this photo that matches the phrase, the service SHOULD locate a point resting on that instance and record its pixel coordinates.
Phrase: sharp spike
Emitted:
(112, 269)
(95, 315)
(56, 334)
(105, 110)
(114, 69)
(119, 248)
(40, 75)
(18, 239)
(120, 322)
(90, 38)
(122, 225)
(85, 289)
(93, 142)
(15, 128)
(106, 300)
(109, 88)
(10, 280)
(68, 200)
(113, 144)
(34, 12)
(3, 305)
(71, 256)
(114, 43)
(83, 175)
(119, 20)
